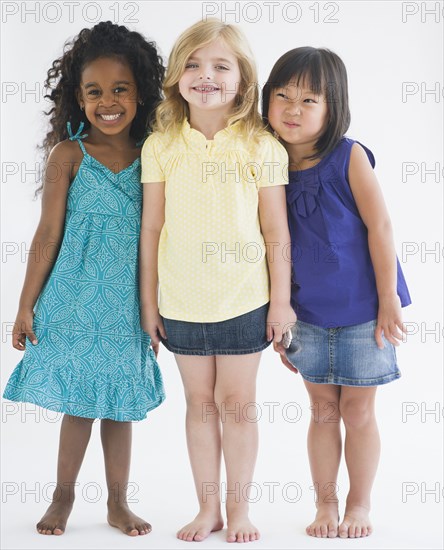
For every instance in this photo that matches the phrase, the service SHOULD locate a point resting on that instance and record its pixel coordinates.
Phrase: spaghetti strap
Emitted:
(77, 135)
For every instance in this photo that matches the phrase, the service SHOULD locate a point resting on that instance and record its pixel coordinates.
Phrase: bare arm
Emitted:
(47, 239)
(153, 219)
(274, 227)
(371, 206)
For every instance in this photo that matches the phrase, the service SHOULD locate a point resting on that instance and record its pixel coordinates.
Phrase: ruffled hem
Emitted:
(69, 388)
(111, 412)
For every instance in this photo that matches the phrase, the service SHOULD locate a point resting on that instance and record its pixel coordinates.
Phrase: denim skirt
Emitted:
(237, 336)
(346, 356)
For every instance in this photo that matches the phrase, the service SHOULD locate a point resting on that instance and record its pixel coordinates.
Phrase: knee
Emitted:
(357, 413)
(325, 413)
(200, 403)
(237, 407)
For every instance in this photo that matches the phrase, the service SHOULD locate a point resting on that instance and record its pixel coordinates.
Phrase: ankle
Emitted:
(63, 496)
(113, 502)
(327, 505)
(210, 510)
(235, 510)
(363, 505)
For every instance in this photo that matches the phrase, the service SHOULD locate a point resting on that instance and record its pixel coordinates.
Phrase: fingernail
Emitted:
(34, 342)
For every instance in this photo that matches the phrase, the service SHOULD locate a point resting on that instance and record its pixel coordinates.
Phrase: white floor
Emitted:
(406, 514)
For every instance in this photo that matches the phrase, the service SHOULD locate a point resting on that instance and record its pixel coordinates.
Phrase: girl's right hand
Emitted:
(22, 329)
(153, 325)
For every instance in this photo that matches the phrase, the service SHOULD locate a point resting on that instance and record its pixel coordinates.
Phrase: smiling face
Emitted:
(211, 79)
(108, 94)
(298, 115)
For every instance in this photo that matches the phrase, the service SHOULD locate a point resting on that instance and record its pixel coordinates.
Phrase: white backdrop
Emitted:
(393, 54)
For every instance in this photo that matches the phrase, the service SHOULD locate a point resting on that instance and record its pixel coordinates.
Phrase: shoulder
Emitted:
(268, 146)
(157, 142)
(64, 158)
(66, 149)
(353, 148)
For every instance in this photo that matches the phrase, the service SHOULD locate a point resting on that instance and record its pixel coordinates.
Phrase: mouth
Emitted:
(206, 89)
(110, 118)
(291, 124)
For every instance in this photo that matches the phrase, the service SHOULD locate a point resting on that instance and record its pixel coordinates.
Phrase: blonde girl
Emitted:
(213, 199)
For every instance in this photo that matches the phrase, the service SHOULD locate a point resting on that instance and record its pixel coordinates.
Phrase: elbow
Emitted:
(382, 226)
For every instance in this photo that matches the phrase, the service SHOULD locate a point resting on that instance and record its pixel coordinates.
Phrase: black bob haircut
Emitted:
(324, 73)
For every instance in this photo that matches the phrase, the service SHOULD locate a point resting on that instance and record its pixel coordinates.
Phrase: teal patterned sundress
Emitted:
(93, 359)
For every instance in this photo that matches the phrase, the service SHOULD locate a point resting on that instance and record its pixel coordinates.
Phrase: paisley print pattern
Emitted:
(93, 359)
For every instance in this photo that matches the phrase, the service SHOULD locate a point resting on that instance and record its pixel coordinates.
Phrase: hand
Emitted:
(280, 319)
(389, 321)
(152, 324)
(22, 329)
(279, 348)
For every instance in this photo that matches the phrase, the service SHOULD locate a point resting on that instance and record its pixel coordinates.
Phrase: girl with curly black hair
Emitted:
(86, 354)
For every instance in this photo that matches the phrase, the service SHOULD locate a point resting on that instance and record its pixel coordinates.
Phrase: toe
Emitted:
(199, 536)
(358, 532)
(131, 531)
(332, 531)
(343, 531)
(231, 536)
(324, 531)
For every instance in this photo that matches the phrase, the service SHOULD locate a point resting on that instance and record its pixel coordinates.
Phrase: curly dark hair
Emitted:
(63, 79)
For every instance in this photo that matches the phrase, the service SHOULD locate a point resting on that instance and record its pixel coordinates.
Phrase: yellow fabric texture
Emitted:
(212, 256)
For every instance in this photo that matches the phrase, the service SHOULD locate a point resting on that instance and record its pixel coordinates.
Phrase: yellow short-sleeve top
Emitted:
(212, 256)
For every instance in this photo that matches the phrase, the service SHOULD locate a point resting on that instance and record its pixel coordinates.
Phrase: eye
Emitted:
(93, 93)
(280, 94)
(191, 65)
(120, 89)
(222, 68)
(309, 100)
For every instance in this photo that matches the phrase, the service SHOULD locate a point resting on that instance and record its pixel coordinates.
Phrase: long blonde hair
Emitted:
(173, 110)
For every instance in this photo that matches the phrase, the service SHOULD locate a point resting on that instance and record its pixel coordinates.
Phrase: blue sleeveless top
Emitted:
(333, 281)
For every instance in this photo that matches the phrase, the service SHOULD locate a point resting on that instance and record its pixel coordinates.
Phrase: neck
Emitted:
(207, 123)
(297, 154)
(117, 141)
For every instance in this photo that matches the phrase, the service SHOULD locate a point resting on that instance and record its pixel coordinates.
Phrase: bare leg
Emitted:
(75, 433)
(204, 443)
(236, 388)
(116, 443)
(362, 449)
(324, 451)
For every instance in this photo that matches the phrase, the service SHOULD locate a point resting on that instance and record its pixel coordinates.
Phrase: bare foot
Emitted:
(120, 516)
(55, 518)
(326, 522)
(240, 529)
(202, 525)
(356, 523)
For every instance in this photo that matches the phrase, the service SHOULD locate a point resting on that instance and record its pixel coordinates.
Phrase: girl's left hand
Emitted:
(389, 321)
(279, 348)
(280, 319)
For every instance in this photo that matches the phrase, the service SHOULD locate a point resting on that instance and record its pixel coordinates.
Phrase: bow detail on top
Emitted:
(302, 192)
(77, 135)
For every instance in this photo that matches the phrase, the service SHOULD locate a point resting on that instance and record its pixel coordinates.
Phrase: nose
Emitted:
(205, 72)
(107, 99)
(294, 108)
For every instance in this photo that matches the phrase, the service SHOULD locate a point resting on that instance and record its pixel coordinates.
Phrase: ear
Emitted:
(80, 100)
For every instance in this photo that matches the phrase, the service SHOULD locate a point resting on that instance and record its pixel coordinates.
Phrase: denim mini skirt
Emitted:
(346, 356)
(237, 336)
